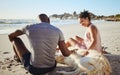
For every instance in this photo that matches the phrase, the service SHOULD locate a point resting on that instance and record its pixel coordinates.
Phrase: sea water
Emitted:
(9, 25)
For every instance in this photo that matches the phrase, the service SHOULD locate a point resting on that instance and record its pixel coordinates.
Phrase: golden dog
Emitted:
(94, 63)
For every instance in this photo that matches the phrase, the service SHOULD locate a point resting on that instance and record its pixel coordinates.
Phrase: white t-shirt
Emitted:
(43, 39)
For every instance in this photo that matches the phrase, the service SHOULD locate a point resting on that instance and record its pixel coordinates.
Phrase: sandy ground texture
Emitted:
(110, 36)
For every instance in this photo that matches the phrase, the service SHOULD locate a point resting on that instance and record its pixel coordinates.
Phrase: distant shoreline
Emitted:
(7, 28)
(113, 19)
(30, 21)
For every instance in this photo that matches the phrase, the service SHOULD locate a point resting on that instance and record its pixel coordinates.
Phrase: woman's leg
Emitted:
(79, 39)
(72, 42)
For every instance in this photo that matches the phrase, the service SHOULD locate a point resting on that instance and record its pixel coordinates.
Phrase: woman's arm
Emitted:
(93, 35)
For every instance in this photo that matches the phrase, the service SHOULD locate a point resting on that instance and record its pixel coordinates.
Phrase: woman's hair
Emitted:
(85, 14)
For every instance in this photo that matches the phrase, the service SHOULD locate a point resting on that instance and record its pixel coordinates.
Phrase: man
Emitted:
(44, 39)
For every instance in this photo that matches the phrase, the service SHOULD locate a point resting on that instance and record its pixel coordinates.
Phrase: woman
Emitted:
(92, 39)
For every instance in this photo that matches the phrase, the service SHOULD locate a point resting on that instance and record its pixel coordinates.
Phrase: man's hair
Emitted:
(43, 18)
(85, 14)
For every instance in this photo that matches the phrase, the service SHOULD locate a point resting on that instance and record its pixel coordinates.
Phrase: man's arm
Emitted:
(15, 34)
(63, 48)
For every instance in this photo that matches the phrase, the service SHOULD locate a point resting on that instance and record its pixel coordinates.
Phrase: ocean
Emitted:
(9, 25)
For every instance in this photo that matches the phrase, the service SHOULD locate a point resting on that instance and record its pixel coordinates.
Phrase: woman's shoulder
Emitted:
(92, 26)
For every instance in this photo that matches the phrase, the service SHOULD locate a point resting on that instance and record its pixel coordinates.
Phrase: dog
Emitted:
(94, 63)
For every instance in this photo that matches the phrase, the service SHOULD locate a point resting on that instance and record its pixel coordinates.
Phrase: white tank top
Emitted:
(87, 40)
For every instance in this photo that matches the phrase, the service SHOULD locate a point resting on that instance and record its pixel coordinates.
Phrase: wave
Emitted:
(17, 21)
(9, 25)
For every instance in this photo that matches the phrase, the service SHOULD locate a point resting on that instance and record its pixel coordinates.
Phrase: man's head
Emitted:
(44, 18)
(84, 18)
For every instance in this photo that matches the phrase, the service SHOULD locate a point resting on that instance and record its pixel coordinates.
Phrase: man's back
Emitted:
(44, 40)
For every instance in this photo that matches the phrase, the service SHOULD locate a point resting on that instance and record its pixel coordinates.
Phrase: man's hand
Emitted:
(13, 35)
(11, 38)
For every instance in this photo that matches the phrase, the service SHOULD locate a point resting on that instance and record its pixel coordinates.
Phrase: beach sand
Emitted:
(110, 37)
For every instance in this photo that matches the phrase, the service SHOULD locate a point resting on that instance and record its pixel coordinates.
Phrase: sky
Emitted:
(30, 9)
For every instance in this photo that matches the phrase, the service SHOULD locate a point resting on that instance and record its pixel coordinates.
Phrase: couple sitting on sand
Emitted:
(44, 38)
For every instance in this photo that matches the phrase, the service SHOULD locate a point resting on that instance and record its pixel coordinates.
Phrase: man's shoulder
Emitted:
(53, 26)
(35, 24)
(44, 24)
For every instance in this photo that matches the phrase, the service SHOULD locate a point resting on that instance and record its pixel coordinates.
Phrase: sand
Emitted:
(110, 37)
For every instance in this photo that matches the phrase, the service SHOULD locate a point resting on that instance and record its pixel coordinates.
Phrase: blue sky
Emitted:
(19, 9)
